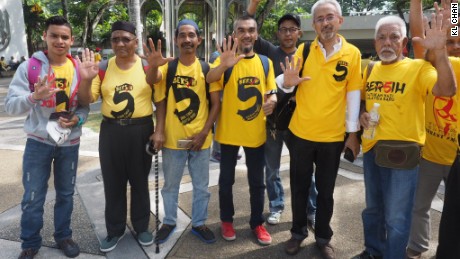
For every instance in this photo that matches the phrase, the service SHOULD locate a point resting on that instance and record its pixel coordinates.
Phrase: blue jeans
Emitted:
(255, 165)
(275, 191)
(173, 169)
(37, 161)
(387, 217)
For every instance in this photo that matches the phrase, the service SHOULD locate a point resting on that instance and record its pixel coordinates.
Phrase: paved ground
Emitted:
(88, 218)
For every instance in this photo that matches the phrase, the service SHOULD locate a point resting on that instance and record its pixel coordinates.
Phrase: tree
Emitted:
(134, 10)
(94, 11)
(65, 10)
(34, 19)
(270, 11)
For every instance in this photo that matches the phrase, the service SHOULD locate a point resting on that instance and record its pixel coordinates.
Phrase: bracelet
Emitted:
(80, 121)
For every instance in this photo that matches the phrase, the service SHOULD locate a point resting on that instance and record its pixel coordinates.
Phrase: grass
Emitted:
(94, 121)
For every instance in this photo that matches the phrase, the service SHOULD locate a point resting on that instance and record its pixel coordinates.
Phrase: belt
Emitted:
(128, 121)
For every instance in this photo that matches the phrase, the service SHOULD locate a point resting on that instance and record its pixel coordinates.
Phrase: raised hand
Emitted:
(153, 55)
(228, 57)
(44, 89)
(435, 32)
(444, 9)
(291, 72)
(87, 67)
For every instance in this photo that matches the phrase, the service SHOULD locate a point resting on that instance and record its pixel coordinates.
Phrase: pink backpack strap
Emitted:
(75, 64)
(33, 71)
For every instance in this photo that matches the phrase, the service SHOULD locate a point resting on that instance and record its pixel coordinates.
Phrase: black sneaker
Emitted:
(204, 233)
(28, 253)
(69, 247)
(366, 255)
(164, 233)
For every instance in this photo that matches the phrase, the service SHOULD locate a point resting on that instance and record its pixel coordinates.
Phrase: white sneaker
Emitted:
(274, 217)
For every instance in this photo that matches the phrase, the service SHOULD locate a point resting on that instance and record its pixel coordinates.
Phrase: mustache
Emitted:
(387, 49)
(187, 45)
(327, 28)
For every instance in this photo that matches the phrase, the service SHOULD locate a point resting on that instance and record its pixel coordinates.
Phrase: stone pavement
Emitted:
(88, 218)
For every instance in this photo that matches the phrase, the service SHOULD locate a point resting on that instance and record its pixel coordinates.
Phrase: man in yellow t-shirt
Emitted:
(319, 122)
(125, 129)
(97, 55)
(440, 144)
(184, 115)
(247, 98)
(401, 86)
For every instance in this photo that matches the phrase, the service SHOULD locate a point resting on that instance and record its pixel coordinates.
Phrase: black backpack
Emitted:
(285, 107)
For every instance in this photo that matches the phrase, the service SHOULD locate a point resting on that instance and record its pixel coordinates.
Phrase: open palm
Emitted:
(228, 57)
(153, 55)
(435, 33)
(291, 72)
(88, 67)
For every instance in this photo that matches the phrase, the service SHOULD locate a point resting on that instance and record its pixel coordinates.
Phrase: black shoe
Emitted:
(327, 251)
(164, 233)
(28, 253)
(292, 246)
(366, 255)
(69, 247)
(204, 233)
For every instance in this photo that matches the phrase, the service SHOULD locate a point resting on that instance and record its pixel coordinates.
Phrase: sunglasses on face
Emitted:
(124, 40)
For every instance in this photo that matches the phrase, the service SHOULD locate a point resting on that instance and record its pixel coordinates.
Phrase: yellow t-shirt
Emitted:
(401, 89)
(97, 57)
(125, 93)
(187, 105)
(242, 120)
(63, 79)
(441, 129)
(321, 101)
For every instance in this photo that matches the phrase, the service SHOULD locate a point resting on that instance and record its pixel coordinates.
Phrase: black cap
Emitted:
(124, 26)
(289, 16)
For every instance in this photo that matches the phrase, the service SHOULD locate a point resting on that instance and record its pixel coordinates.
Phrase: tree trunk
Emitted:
(265, 12)
(65, 9)
(134, 10)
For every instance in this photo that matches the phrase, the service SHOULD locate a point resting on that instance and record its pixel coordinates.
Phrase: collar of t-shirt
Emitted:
(337, 47)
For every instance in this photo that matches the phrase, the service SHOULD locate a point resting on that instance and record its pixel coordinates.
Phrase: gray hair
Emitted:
(392, 19)
(322, 2)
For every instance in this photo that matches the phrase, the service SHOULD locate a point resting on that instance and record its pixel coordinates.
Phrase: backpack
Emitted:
(265, 64)
(35, 66)
(281, 117)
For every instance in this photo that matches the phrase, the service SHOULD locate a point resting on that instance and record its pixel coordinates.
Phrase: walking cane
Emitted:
(153, 152)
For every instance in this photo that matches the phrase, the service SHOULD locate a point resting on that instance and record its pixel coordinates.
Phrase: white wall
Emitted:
(12, 27)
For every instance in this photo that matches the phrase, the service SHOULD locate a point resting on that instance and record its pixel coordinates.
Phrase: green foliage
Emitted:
(270, 23)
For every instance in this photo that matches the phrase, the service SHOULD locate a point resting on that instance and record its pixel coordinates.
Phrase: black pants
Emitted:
(326, 156)
(449, 228)
(123, 159)
(255, 165)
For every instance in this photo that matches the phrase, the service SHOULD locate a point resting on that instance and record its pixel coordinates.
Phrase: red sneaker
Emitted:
(262, 235)
(228, 233)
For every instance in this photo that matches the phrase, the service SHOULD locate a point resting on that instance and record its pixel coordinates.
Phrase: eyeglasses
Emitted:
(285, 30)
(321, 19)
(125, 40)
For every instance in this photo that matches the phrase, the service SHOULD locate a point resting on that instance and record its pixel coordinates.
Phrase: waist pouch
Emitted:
(397, 154)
